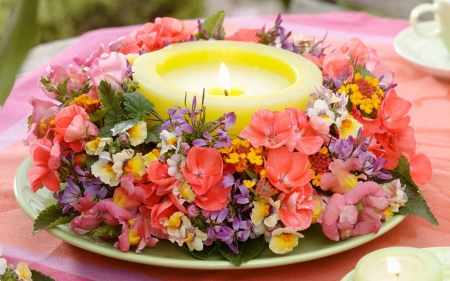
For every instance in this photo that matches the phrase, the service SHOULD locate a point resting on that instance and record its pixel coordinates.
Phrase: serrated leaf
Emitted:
(105, 230)
(123, 126)
(153, 135)
(50, 217)
(247, 250)
(205, 253)
(111, 102)
(416, 204)
(214, 22)
(136, 105)
(39, 276)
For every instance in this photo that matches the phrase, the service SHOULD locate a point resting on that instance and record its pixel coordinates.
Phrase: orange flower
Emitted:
(204, 168)
(287, 170)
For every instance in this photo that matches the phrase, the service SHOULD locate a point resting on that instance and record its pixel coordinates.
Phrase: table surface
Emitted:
(429, 117)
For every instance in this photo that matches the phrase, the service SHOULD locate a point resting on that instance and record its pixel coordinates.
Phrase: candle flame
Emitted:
(224, 79)
(393, 266)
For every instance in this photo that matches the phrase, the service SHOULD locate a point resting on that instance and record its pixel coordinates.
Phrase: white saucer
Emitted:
(429, 54)
(442, 253)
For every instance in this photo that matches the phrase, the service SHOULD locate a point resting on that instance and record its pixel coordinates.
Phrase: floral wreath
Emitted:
(347, 161)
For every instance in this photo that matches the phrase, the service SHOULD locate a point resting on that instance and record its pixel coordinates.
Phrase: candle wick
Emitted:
(225, 92)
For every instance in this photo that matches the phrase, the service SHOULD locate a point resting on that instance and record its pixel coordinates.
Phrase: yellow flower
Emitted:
(284, 240)
(186, 192)
(23, 271)
(254, 158)
(249, 183)
(177, 225)
(151, 156)
(233, 158)
(96, 146)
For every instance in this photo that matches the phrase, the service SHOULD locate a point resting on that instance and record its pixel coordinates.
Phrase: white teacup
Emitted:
(441, 10)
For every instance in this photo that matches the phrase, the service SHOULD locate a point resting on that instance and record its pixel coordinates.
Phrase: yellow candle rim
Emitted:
(149, 68)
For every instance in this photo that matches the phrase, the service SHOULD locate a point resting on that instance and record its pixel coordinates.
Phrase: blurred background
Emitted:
(58, 19)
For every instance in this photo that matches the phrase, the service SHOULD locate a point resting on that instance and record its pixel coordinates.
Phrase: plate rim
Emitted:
(401, 51)
(82, 242)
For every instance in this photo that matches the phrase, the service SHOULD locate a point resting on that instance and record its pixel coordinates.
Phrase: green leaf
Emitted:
(212, 23)
(153, 135)
(247, 250)
(204, 254)
(39, 276)
(251, 174)
(18, 37)
(364, 72)
(105, 230)
(98, 114)
(110, 101)
(136, 105)
(106, 131)
(50, 217)
(416, 204)
(123, 126)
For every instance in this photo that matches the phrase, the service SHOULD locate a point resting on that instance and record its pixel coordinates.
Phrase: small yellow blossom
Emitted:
(23, 271)
(150, 157)
(87, 103)
(254, 158)
(249, 184)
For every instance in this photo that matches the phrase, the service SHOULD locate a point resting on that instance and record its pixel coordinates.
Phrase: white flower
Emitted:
(138, 133)
(267, 212)
(321, 108)
(169, 141)
(195, 238)
(126, 162)
(347, 126)
(175, 163)
(103, 169)
(177, 225)
(23, 271)
(3, 264)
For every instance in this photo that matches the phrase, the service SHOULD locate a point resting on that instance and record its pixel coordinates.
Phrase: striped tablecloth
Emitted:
(430, 119)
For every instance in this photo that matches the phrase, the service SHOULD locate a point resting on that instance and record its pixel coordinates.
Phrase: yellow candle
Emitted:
(270, 78)
(399, 264)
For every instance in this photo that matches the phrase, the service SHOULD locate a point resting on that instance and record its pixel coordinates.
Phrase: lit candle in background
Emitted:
(399, 264)
(262, 77)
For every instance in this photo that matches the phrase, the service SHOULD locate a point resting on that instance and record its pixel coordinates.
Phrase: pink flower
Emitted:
(340, 179)
(342, 219)
(46, 158)
(270, 129)
(42, 116)
(204, 169)
(246, 35)
(297, 207)
(95, 55)
(154, 36)
(335, 63)
(308, 132)
(59, 75)
(357, 51)
(160, 212)
(287, 170)
(375, 67)
(111, 68)
(72, 126)
(137, 231)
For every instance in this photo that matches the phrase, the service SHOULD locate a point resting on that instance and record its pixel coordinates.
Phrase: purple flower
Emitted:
(92, 185)
(239, 232)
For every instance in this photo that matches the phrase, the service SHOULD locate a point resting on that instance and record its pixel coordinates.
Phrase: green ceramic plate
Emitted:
(314, 246)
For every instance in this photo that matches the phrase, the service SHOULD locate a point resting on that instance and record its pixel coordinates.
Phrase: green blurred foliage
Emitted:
(59, 19)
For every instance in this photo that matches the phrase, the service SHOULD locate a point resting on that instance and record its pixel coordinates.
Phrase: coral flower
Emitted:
(46, 158)
(393, 112)
(245, 35)
(72, 126)
(216, 198)
(421, 170)
(42, 119)
(297, 207)
(204, 168)
(270, 129)
(287, 170)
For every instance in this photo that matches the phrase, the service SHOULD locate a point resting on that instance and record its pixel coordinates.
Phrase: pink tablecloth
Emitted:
(431, 104)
